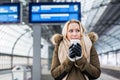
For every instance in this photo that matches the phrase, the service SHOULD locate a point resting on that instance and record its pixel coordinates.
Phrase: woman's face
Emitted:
(73, 31)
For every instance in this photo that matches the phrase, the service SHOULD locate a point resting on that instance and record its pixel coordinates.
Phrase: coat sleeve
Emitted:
(92, 68)
(59, 70)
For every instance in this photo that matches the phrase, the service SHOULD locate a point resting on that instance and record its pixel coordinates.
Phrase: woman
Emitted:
(75, 61)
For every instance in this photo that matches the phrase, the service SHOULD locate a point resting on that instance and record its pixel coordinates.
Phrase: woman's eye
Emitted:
(70, 30)
(77, 30)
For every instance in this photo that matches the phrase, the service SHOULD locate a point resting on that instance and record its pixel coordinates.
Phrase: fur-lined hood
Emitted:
(57, 38)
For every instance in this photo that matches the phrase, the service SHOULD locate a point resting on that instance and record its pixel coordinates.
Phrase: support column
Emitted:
(36, 69)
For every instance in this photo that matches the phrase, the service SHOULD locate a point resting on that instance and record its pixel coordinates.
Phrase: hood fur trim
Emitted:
(57, 38)
(93, 36)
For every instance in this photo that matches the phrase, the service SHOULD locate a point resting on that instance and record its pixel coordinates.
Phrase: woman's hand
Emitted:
(77, 50)
(71, 54)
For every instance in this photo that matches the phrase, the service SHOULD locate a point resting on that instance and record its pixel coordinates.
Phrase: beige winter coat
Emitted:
(75, 70)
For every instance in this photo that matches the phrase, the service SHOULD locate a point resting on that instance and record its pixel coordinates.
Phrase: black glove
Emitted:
(77, 50)
(72, 51)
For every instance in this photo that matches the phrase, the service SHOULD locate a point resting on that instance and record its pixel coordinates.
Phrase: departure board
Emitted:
(54, 12)
(10, 13)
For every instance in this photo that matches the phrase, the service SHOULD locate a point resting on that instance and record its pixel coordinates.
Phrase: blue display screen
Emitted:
(10, 13)
(53, 12)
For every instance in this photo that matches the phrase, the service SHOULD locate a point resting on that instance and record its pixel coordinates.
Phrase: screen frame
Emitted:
(53, 3)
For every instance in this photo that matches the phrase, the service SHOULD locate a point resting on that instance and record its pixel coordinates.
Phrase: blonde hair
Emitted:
(82, 31)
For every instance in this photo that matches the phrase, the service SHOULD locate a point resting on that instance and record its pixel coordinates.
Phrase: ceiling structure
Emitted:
(100, 16)
(107, 26)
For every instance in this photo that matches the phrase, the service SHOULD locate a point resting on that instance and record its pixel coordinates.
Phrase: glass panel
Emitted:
(97, 3)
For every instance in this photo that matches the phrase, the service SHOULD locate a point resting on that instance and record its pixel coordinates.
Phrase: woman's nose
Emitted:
(74, 33)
